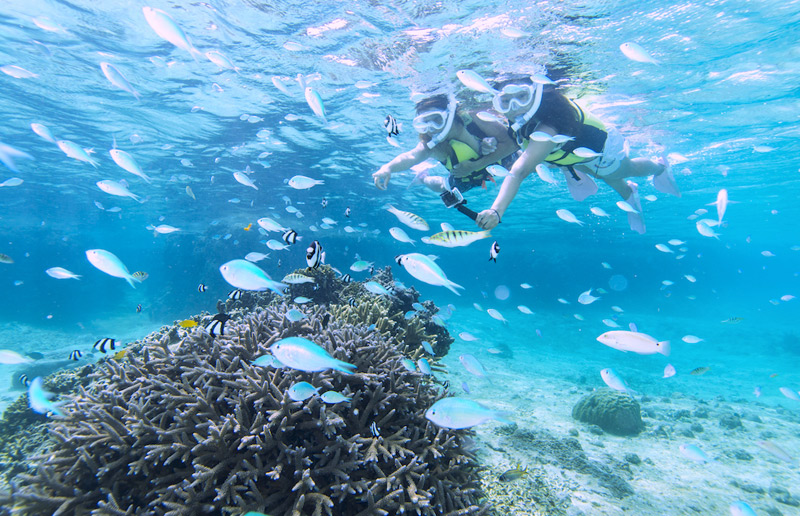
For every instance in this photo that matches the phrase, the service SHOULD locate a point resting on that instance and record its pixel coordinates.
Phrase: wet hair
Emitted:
(439, 103)
(556, 110)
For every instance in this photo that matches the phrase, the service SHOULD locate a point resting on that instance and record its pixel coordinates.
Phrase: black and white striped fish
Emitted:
(494, 251)
(324, 203)
(346, 278)
(217, 326)
(290, 237)
(352, 302)
(102, 344)
(391, 125)
(235, 294)
(347, 212)
(23, 379)
(202, 288)
(75, 355)
(314, 254)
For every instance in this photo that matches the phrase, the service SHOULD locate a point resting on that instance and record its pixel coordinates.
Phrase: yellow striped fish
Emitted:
(409, 219)
(456, 238)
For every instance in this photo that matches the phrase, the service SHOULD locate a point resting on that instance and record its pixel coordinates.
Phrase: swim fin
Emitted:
(636, 220)
(665, 181)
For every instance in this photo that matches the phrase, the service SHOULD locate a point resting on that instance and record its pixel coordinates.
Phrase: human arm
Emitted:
(404, 161)
(534, 154)
(503, 146)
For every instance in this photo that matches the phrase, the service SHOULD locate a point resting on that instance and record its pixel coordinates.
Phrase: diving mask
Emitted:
(430, 122)
(513, 96)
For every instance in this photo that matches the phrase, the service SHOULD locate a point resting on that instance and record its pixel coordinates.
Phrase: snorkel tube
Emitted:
(537, 101)
(451, 115)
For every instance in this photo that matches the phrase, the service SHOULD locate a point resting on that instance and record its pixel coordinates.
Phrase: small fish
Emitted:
(635, 52)
(314, 254)
(586, 153)
(270, 225)
(17, 72)
(692, 452)
(391, 126)
(140, 276)
(409, 219)
(691, 339)
(10, 357)
(376, 288)
(600, 212)
(400, 235)
(524, 309)
(301, 300)
(245, 275)
(296, 278)
(347, 212)
(567, 216)
(427, 347)
(202, 288)
(61, 273)
(346, 278)
(110, 264)
(187, 323)
(776, 451)
(167, 29)
(494, 251)
(301, 391)
(267, 361)
(304, 182)
(255, 257)
(494, 314)
(669, 371)
(332, 397)
(102, 344)
(705, 229)
(217, 326)
(360, 266)
(315, 103)
(424, 366)
(39, 399)
(733, 320)
(457, 413)
(190, 193)
(474, 81)
(613, 380)
(700, 370)
(741, 509)
(472, 365)
(294, 315)
(75, 355)
(117, 189)
(222, 61)
(757, 391)
(408, 364)
(352, 302)
(43, 132)
(139, 308)
(290, 236)
(664, 249)
(789, 393)
(244, 179)
(457, 238)
(467, 336)
(304, 355)
(635, 342)
(235, 295)
(14, 181)
(586, 298)
(425, 269)
(513, 474)
(23, 379)
(611, 323)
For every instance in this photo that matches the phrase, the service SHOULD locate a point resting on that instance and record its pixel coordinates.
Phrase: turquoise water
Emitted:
(723, 101)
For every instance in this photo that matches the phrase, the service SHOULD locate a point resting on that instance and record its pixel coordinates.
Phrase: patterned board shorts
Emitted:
(614, 151)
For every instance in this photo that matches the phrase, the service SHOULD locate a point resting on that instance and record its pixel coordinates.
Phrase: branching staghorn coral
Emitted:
(194, 428)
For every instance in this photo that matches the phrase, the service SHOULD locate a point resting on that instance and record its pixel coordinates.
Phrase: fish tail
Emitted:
(664, 348)
(502, 416)
(130, 279)
(344, 367)
(451, 285)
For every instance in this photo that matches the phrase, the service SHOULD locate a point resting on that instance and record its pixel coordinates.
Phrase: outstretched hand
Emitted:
(488, 219)
(381, 178)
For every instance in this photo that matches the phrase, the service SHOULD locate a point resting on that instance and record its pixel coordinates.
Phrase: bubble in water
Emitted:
(618, 282)
(502, 292)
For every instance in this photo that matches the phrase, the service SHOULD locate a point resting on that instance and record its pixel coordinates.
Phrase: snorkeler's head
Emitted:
(516, 93)
(435, 118)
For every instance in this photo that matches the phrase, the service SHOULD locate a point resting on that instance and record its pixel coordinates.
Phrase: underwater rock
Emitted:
(783, 496)
(747, 487)
(567, 453)
(196, 428)
(739, 454)
(730, 421)
(632, 458)
(613, 411)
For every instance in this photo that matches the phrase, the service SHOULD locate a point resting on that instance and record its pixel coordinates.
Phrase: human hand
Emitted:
(488, 219)
(381, 178)
(488, 145)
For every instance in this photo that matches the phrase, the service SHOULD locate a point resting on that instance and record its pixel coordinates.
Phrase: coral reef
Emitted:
(192, 427)
(613, 411)
(23, 432)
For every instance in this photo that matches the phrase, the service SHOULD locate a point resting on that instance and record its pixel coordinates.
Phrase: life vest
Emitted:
(591, 135)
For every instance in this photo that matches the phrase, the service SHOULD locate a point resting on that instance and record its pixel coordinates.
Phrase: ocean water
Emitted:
(722, 101)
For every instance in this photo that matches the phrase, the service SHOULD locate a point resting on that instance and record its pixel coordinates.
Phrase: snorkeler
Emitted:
(551, 128)
(465, 146)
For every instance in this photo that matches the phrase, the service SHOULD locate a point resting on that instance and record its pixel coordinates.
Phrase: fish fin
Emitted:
(452, 287)
(664, 348)
(130, 279)
(502, 416)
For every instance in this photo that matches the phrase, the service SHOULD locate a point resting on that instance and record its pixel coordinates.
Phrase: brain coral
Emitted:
(194, 428)
(613, 411)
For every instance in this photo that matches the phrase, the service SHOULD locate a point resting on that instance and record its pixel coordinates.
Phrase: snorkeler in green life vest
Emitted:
(465, 146)
(553, 129)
